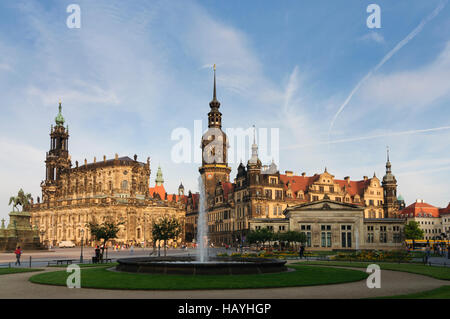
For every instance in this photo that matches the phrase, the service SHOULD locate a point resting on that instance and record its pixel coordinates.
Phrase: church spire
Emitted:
(159, 177)
(214, 116)
(254, 158)
(388, 163)
(59, 119)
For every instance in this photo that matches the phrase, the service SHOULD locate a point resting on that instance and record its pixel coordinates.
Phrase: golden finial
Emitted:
(214, 67)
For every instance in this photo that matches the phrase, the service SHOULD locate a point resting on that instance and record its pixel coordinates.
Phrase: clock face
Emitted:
(125, 172)
(209, 176)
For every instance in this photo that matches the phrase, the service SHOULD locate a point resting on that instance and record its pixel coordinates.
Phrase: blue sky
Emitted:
(137, 70)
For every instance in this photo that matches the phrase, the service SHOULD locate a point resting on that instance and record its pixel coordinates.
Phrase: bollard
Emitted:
(30, 261)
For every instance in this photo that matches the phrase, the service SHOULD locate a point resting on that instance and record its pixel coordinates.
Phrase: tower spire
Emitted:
(254, 158)
(388, 163)
(214, 94)
(59, 119)
(214, 104)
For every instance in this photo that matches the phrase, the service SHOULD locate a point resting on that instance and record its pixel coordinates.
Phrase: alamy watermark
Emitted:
(374, 19)
(74, 279)
(374, 279)
(74, 19)
(233, 147)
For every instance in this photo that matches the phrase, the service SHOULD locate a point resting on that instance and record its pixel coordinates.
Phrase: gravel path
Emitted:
(392, 283)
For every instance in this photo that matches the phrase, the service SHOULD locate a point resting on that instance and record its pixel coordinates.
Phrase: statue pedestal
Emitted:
(19, 233)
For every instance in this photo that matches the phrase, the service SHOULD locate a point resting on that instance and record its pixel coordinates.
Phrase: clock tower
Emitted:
(214, 146)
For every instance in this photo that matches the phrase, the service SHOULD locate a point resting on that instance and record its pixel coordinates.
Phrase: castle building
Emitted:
(261, 196)
(434, 221)
(110, 189)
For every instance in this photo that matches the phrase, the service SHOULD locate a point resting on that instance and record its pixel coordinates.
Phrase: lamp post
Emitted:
(82, 238)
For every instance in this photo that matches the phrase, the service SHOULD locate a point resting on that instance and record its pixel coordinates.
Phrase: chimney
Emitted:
(419, 200)
(104, 158)
(85, 162)
(116, 157)
(365, 178)
(95, 159)
(303, 174)
(289, 173)
(347, 179)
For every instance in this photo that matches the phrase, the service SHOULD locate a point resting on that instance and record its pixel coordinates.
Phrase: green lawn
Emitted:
(7, 271)
(432, 271)
(439, 293)
(302, 276)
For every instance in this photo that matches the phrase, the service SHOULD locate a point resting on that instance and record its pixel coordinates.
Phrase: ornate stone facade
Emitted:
(262, 193)
(115, 189)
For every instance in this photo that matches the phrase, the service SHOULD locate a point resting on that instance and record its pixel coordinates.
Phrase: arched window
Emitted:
(124, 185)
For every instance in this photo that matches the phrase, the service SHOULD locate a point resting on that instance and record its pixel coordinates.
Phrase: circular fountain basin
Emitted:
(189, 266)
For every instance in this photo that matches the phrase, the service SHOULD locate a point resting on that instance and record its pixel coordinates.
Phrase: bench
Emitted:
(96, 260)
(62, 261)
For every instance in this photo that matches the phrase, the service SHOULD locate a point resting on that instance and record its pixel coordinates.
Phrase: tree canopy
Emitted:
(105, 231)
(165, 229)
(413, 231)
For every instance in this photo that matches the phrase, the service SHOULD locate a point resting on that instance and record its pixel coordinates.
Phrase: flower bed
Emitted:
(373, 255)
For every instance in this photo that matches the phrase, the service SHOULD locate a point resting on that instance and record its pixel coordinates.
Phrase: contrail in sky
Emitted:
(362, 138)
(402, 43)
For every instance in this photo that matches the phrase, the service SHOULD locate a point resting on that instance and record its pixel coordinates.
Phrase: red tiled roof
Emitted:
(353, 187)
(445, 211)
(298, 183)
(420, 208)
(161, 191)
(302, 183)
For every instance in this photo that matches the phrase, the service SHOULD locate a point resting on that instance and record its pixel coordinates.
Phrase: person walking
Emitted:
(300, 251)
(18, 253)
(428, 253)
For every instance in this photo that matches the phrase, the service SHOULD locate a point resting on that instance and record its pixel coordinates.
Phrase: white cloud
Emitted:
(412, 88)
(373, 36)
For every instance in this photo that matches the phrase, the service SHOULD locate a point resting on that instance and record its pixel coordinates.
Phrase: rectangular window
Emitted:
(349, 239)
(308, 239)
(328, 239)
(323, 239)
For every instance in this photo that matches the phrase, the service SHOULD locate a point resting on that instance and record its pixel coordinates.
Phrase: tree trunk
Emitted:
(103, 249)
(165, 247)
(159, 248)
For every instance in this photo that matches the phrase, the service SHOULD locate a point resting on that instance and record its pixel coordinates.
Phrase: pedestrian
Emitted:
(18, 253)
(428, 252)
(131, 249)
(301, 251)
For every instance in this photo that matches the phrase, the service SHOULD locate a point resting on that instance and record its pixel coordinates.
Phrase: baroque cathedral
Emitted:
(260, 196)
(114, 189)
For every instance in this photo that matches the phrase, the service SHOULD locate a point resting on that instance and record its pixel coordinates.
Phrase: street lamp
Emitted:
(82, 238)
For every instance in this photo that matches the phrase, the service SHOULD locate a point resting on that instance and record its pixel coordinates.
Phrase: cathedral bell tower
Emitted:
(214, 146)
(389, 191)
(57, 159)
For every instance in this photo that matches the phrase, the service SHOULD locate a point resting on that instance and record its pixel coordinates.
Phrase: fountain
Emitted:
(202, 264)
(202, 227)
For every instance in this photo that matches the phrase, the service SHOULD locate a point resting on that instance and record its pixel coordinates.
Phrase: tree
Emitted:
(106, 231)
(260, 236)
(412, 231)
(167, 228)
(292, 237)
